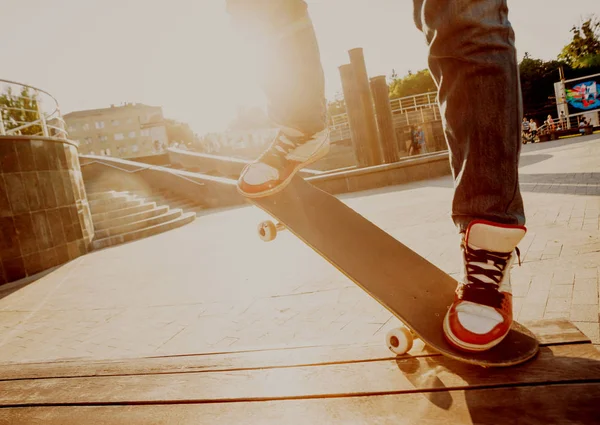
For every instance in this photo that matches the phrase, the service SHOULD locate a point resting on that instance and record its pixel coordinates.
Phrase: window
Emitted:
(72, 128)
(129, 121)
(114, 122)
(134, 148)
(102, 138)
(132, 134)
(145, 132)
(99, 124)
(86, 127)
(119, 136)
(88, 140)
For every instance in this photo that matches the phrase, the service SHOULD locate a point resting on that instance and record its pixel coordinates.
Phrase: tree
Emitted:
(413, 83)
(179, 132)
(537, 85)
(584, 49)
(18, 110)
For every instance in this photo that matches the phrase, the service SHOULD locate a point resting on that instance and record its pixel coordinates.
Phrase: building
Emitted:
(128, 131)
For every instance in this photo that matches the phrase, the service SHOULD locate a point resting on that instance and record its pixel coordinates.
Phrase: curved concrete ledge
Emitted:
(406, 170)
(213, 191)
(45, 217)
(215, 164)
(120, 174)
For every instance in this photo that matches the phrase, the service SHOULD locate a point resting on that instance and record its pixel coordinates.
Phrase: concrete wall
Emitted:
(215, 191)
(44, 213)
(409, 169)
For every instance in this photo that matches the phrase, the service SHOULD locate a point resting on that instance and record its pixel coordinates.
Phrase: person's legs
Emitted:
(294, 86)
(473, 61)
(471, 45)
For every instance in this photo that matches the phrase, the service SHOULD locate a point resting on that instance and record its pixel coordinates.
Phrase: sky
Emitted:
(186, 56)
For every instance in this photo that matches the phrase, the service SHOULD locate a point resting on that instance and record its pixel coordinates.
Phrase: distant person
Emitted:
(550, 123)
(471, 49)
(420, 136)
(533, 128)
(414, 148)
(525, 126)
(563, 120)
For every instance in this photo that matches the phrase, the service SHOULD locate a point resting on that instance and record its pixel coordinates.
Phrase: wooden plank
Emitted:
(554, 404)
(578, 362)
(547, 331)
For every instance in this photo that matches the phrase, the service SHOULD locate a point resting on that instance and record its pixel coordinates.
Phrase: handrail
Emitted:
(149, 167)
(49, 121)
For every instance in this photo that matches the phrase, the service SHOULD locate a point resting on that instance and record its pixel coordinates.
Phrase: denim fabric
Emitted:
(472, 59)
(293, 83)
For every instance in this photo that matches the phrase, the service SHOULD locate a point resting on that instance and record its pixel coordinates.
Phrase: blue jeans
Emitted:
(472, 59)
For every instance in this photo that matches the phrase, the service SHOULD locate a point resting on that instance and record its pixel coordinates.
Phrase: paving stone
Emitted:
(214, 286)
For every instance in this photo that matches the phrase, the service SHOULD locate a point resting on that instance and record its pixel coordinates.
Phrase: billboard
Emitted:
(583, 96)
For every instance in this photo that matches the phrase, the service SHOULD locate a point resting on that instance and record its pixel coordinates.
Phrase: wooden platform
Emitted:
(312, 385)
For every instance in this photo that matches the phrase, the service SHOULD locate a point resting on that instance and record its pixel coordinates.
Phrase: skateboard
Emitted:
(410, 287)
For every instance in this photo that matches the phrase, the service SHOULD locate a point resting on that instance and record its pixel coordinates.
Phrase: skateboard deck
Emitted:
(409, 286)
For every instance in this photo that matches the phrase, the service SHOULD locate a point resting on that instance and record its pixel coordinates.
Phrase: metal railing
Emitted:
(409, 110)
(27, 110)
(557, 124)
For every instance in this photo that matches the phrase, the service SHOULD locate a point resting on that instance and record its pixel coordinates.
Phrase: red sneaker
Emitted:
(481, 314)
(289, 152)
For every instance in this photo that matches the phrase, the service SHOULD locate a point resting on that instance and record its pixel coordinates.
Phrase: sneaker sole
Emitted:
(465, 346)
(321, 153)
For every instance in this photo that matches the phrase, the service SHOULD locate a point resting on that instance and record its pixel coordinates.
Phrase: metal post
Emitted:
(42, 118)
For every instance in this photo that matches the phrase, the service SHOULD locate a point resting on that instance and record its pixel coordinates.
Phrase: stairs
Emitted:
(124, 216)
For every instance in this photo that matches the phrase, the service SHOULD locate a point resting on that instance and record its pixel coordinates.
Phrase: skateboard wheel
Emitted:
(267, 230)
(399, 340)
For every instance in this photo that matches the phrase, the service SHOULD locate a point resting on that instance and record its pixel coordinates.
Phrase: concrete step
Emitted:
(97, 204)
(96, 218)
(116, 204)
(96, 196)
(160, 200)
(121, 221)
(185, 205)
(195, 210)
(143, 233)
(140, 224)
(101, 188)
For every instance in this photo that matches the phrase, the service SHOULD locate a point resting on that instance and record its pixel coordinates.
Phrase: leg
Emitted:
(472, 60)
(471, 45)
(294, 85)
(293, 82)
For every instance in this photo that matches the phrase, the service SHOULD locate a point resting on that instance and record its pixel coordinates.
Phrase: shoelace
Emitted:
(283, 144)
(490, 267)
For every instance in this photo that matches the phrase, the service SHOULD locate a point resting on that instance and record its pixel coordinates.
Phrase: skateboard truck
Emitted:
(267, 230)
